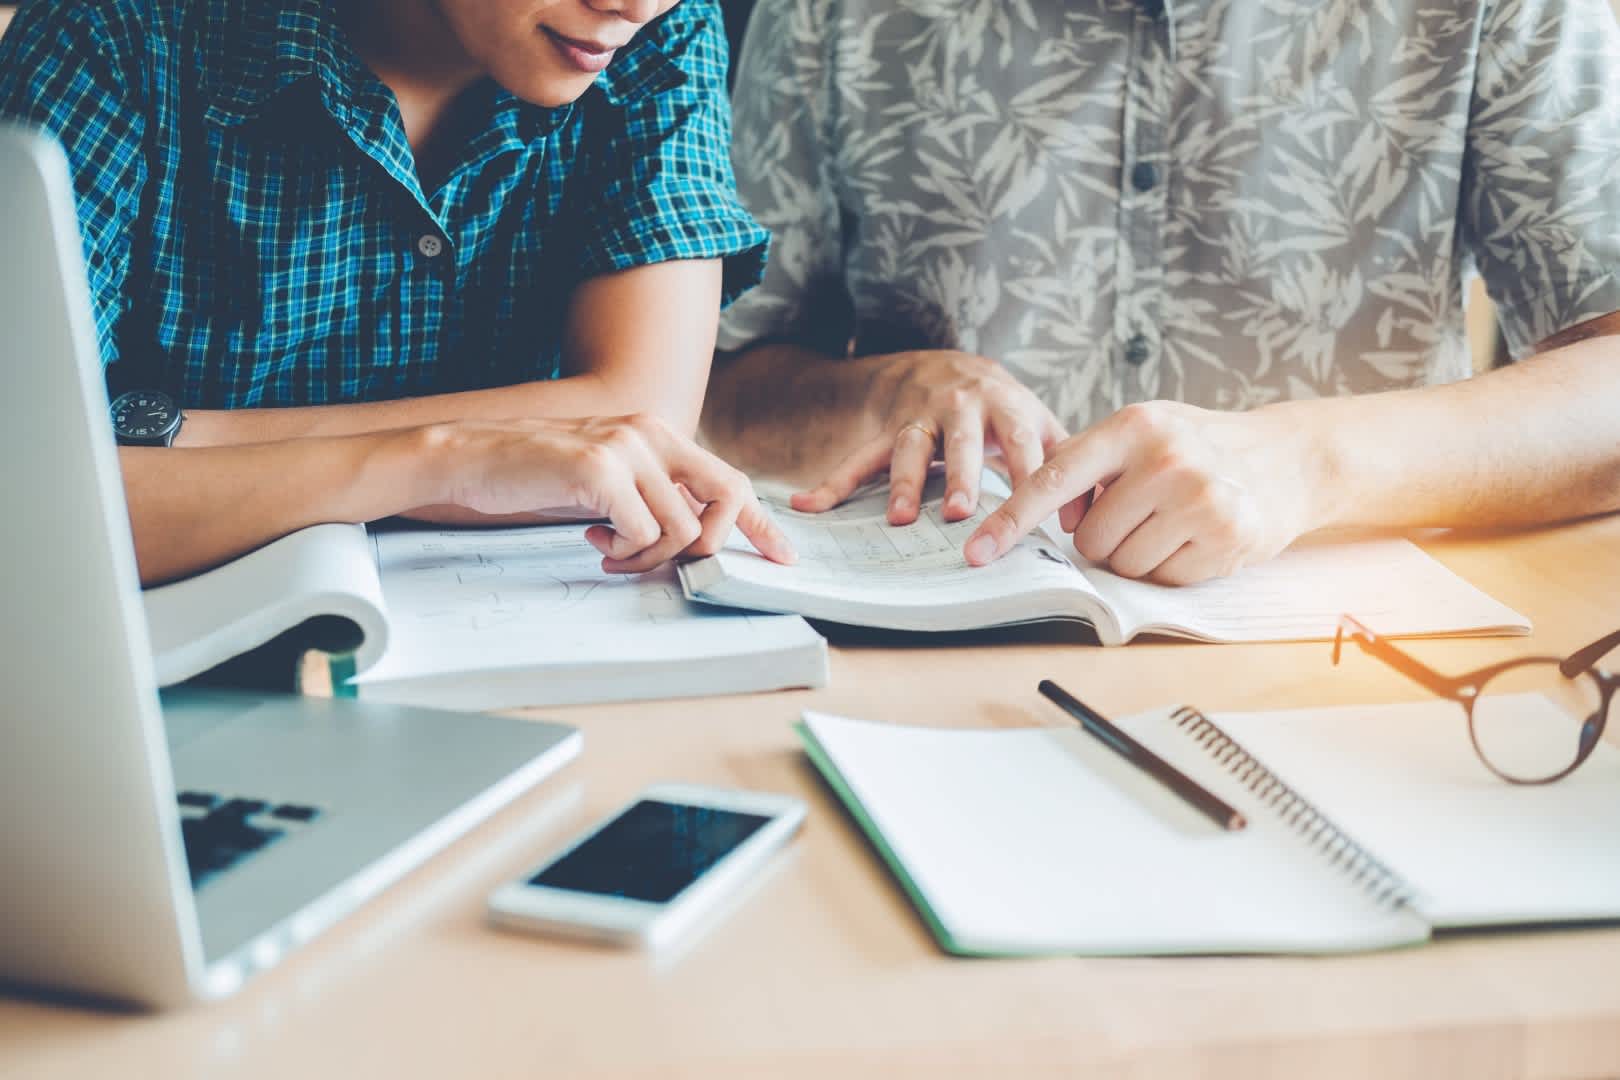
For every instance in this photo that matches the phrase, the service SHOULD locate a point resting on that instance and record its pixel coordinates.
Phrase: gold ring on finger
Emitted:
(926, 429)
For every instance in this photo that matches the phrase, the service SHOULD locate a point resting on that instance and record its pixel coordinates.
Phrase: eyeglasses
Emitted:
(1517, 737)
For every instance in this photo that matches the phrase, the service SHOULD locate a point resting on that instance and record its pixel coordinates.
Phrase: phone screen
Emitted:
(651, 851)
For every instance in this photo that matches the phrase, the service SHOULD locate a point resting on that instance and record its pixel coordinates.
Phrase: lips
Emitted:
(586, 56)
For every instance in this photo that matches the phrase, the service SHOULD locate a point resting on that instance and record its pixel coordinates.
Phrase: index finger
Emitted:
(764, 533)
(730, 499)
(1075, 467)
(740, 507)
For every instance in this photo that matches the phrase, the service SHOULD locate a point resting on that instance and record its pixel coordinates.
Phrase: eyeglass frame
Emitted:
(1464, 689)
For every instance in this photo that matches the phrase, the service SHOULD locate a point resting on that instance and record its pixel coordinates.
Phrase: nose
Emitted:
(636, 11)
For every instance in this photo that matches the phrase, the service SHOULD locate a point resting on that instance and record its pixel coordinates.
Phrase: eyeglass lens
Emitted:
(1529, 723)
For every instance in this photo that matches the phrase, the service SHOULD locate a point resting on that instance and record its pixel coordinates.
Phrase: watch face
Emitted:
(143, 414)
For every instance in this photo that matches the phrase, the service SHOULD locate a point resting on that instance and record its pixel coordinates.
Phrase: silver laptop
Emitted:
(161, 853)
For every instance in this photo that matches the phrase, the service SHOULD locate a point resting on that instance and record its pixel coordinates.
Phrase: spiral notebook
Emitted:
(1369, 827)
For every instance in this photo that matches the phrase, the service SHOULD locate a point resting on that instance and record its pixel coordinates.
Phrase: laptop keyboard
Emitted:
(221, 831)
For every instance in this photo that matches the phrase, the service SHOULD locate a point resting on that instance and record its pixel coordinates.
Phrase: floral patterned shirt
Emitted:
(1226, 202)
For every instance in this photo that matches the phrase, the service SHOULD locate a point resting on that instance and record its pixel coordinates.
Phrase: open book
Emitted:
(477, 619)
(1369, 826)
(856, 568)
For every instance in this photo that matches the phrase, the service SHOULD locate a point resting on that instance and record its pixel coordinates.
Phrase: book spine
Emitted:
(1383, 884)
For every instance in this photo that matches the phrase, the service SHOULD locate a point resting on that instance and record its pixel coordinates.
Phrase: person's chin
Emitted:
(550, 91)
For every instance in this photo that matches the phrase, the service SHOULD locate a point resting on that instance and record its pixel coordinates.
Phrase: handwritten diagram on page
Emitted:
(471, 600)
(851, 555)
(852, 551)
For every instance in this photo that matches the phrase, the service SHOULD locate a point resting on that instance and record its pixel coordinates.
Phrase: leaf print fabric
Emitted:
(1226, 202)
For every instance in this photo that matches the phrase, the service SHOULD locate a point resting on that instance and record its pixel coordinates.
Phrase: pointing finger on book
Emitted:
(1075, 467)
(729, 500)
(696, 499)
(678, 526)
(762, 532)
(1165, 491)
(660, 492)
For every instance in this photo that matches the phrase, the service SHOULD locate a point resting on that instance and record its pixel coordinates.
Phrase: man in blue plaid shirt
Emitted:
(461, 259)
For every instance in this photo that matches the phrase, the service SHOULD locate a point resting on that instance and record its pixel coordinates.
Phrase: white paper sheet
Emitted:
(206, 620)
(1406, 781)
(1390, 584)
(852, 553)
(479, 601)
(1043, 840)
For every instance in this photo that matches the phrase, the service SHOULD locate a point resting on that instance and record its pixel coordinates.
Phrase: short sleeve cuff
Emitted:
(1529, 319)
(730, 235)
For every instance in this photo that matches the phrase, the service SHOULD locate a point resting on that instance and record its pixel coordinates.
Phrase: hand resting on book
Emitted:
(659, 492)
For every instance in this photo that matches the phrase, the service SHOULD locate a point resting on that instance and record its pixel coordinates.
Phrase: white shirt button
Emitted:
(430, 246)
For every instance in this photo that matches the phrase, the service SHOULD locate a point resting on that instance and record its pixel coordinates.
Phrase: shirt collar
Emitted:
(271, 47)
(512, 123)
(646, 68)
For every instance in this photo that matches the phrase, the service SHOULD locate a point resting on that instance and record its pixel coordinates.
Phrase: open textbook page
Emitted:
(478, 619)
(497, 618)
(1389, 583)
(856, 568)
(319, 572)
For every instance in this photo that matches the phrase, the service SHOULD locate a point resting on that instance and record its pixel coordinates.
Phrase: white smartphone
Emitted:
(654, 869)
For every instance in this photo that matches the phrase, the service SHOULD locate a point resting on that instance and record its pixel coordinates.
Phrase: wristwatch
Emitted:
(145, 418)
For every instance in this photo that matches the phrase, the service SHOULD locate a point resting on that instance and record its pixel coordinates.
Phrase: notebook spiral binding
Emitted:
(1377, 880)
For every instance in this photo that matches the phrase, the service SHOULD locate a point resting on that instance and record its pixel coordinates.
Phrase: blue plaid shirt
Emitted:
(256, 233)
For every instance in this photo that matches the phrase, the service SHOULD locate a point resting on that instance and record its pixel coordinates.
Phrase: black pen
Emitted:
(1191, 792)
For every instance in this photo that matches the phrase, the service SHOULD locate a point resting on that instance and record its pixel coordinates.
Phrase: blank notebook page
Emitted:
(1405, 781)
(1043, 840)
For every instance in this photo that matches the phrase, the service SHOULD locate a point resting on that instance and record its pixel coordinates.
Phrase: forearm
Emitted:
(792, 412)
(577, 396)
(1537, 441)
(193, 509)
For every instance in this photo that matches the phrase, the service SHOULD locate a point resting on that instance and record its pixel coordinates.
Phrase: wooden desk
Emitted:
(825, 970)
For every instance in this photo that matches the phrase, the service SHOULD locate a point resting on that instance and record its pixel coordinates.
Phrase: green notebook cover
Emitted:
(852, 803)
